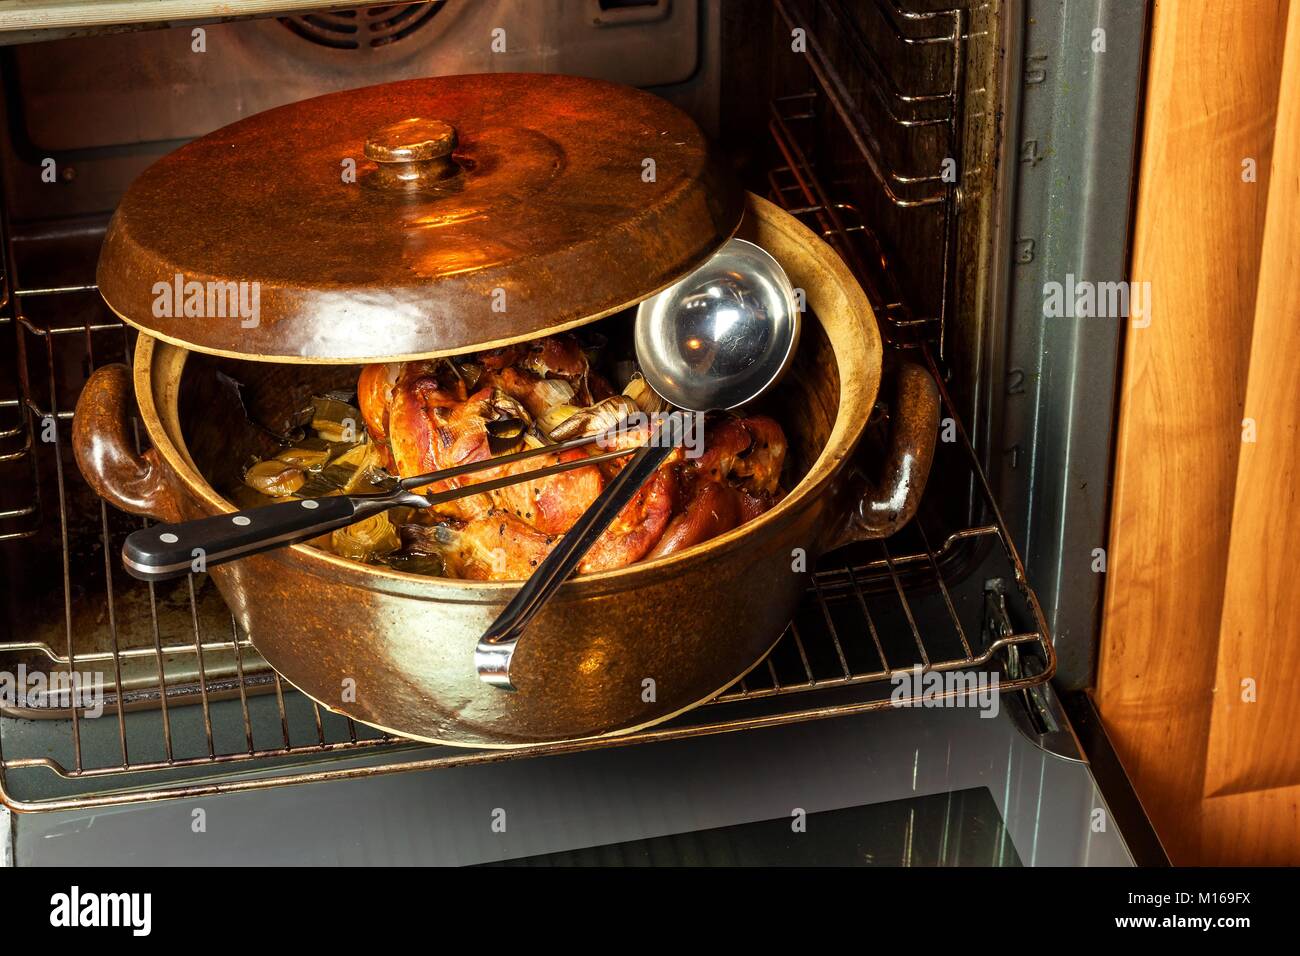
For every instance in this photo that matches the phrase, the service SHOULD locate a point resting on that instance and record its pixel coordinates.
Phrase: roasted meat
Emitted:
(749, 452)
(638, 528)
(736, 479)
(495, 547)
(436, 414)
(432, 426)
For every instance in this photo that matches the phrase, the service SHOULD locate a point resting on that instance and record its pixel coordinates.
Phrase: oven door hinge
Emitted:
(1036, 711)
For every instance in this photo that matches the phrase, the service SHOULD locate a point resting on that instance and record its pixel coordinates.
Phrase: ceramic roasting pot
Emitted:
(613, 652)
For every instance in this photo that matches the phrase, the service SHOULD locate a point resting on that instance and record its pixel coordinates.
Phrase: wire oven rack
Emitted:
(190, 709)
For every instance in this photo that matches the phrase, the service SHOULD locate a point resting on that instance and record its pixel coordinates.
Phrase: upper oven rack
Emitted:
(190, 709)
(908, 146)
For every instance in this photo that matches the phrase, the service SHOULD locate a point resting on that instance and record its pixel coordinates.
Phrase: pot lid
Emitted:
(417, 218)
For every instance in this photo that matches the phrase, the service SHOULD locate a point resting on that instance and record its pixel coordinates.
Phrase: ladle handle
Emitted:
(496, 648)
(164, 551)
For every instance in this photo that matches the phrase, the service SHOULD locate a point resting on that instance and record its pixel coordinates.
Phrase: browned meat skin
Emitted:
(631, 438)
(504, 357)
(749, 451)
(497, 547)
(528, 372)
(751, 506)
(712, 508)
(375, 396)
(735, 480)
(556, 356)
(638, 528)
(553, 504)
(375, 389)
(430, 431)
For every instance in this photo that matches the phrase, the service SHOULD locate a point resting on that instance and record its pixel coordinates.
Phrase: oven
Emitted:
(940, 148)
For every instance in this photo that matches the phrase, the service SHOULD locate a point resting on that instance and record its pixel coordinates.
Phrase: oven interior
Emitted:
(876, 123)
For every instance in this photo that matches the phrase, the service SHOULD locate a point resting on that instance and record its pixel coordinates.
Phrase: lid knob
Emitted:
(411, 140)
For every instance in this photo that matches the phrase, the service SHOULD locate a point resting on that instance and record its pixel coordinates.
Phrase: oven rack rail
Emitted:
(939, 106)
(930, 122)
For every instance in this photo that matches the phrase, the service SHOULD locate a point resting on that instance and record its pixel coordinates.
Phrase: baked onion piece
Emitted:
(366, 540)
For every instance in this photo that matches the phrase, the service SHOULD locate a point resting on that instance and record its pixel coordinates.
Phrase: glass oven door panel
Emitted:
(920, 786)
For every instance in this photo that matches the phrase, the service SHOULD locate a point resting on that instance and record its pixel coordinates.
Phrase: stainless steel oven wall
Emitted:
(887, 126)
(1068, 170)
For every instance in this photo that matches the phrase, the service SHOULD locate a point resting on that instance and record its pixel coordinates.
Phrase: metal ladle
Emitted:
(712, 341)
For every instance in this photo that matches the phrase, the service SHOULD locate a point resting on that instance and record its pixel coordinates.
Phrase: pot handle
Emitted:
(891, 502)
(104, 445)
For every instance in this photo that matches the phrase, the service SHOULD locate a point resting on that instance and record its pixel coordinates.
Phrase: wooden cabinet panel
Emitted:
(1255, 721)
(1211, 110)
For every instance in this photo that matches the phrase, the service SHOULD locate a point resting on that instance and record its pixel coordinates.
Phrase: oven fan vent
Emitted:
(364, 27)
